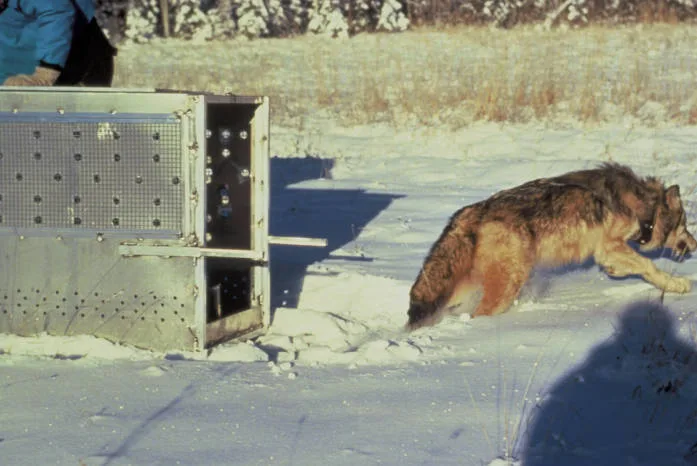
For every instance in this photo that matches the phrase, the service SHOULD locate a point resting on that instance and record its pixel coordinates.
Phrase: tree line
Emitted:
(141, 20)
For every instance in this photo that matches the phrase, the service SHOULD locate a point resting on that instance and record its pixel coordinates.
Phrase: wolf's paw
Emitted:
(678, 285)
(615, 272)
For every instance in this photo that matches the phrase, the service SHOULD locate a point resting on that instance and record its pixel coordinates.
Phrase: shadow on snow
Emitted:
(632, 401)
(337, 215)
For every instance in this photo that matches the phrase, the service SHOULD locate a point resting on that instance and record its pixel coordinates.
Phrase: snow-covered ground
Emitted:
(583, 370)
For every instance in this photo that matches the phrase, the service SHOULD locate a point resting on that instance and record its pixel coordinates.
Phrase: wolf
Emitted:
(491, 247)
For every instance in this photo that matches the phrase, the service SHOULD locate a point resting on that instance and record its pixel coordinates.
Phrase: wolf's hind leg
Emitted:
(501, 287)
(503, 268)
(620, 260)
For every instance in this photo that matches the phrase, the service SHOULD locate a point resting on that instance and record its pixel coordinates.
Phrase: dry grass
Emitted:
(441, 77)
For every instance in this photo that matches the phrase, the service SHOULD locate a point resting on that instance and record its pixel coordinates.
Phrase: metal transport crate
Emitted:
(137, 216)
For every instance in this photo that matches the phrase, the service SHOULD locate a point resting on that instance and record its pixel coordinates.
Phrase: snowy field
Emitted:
(446, 77)
(583, 370)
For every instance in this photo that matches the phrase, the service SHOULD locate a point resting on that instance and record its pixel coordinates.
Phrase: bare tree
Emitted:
(164, 12)
(225, 8)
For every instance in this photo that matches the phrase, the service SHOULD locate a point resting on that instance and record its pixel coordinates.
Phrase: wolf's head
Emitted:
(668, 229)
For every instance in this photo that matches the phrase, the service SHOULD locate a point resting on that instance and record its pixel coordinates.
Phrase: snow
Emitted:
(584, 369)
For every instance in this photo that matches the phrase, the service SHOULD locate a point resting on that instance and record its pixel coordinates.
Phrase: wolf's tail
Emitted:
(448, 263)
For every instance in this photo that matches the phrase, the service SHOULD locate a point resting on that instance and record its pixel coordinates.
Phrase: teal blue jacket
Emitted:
(34, 32)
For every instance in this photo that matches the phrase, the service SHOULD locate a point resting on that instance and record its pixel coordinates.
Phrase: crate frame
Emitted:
(141, 286)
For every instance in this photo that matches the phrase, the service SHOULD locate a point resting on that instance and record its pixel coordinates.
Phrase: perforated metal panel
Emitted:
(74, 286)
(112, 220)
(81, 174)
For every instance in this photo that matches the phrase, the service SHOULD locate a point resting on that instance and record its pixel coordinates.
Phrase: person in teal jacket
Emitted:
(57, 42)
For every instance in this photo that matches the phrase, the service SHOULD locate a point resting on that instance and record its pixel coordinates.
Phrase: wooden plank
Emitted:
(245, 324)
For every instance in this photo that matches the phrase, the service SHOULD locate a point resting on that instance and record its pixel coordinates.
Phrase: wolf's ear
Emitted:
(673, 197)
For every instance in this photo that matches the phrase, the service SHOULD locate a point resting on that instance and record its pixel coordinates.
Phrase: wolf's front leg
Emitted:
(620, 260)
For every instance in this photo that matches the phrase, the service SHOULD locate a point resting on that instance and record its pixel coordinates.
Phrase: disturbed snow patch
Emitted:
(71, 348)
(350, 319)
